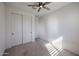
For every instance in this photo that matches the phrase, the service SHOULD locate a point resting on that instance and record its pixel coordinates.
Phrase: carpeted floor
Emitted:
(36, 48)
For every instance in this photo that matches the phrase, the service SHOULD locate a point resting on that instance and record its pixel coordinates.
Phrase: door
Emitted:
(19, 29)
(27, 28)
(16, 29)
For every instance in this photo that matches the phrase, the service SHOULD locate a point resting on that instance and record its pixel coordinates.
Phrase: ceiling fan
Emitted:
(40, 5)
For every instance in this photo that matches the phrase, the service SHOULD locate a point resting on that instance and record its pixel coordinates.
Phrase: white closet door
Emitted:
(27, 29)
(16, 29)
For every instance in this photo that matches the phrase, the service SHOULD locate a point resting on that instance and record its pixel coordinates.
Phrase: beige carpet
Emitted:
(36, 48)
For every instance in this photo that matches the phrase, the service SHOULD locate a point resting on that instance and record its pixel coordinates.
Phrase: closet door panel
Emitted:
(27, 29)
(16, 29)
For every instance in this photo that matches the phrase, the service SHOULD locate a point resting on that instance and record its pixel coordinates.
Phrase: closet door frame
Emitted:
(31, 23)
(32, 26)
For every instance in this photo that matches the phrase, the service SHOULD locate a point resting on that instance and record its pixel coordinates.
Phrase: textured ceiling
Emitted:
(23, 5)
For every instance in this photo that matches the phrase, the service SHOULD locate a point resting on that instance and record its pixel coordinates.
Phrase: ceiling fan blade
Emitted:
(39, 9)
(40, 3)
(46, 3)
(46, 8)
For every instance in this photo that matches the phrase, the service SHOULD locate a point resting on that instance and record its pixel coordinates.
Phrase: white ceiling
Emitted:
(23, 5)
